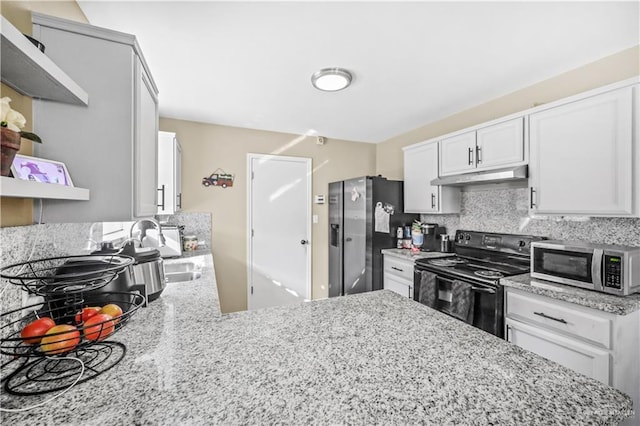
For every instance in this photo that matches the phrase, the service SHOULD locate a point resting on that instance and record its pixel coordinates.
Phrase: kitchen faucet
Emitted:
(161, 240)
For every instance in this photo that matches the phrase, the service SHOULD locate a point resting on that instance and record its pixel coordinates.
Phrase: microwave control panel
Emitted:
(613, 271)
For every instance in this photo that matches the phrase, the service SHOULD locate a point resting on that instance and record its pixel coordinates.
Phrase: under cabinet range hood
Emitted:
(507, 174)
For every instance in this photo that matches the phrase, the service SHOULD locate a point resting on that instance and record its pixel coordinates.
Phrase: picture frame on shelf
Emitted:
(41, 170)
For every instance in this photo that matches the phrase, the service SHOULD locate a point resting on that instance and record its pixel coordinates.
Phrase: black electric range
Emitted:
(480, 259)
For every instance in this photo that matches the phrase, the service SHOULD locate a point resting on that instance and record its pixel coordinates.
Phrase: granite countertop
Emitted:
(408, 254)
(200, 251)
(591, 299)
(205, 286)
(371, 358)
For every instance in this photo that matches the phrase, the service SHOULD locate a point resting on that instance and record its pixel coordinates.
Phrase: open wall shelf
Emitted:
(32, 73)
(17, 188)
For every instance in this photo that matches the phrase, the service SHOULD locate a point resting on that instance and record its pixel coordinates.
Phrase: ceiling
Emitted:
(249, 64)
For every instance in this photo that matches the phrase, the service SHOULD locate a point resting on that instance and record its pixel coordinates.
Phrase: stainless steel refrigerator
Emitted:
(364, 214)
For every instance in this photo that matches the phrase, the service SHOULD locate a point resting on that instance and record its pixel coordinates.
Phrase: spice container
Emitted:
(190, 243)
(407, 231)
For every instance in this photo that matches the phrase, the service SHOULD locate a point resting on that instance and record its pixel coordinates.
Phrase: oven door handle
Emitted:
(483, 290)
(474, 288)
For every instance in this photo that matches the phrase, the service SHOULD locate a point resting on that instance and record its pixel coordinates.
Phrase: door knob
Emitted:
(303, 242)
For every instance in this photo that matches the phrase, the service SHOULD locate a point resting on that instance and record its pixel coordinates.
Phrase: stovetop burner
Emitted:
(473, 268)
(489, 274)
(447, 261)
(482, 257)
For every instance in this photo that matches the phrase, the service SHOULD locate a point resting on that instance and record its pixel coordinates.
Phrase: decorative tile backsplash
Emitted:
(198, 224)
(21, 243)
(506, 211)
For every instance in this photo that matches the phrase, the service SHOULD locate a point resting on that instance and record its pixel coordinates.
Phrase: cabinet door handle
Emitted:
(161, 189)
(543, 315)
(478, 151)
(410, 292)
(433, 201)
(180, 200)
(470, 156)
(531, 193)
(396, 269)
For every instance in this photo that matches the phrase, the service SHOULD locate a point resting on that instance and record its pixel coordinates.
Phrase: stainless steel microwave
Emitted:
(600, 267)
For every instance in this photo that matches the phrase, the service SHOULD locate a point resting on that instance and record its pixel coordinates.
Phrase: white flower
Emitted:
(9, 117)
(4, 107)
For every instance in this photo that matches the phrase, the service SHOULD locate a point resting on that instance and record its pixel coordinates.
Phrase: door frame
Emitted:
(307, 162)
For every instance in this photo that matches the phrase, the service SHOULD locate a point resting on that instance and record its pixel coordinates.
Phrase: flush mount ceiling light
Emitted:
(331, 79)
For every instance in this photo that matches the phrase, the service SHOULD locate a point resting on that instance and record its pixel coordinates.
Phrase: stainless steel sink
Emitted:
(180, 267)
(173, 277)
(182, 271)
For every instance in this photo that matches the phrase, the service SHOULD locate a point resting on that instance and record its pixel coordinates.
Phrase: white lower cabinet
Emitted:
(397, 285)
(585, 359)
(598, 344)
(398, 275)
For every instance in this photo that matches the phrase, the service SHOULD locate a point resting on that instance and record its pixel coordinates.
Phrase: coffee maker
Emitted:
(432, 232)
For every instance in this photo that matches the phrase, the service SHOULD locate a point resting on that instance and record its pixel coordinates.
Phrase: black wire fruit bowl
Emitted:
(67, 274)
(73, 332)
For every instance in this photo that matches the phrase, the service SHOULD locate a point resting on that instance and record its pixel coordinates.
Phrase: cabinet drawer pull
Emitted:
(543, 315)
(397, 269)
(470, 156)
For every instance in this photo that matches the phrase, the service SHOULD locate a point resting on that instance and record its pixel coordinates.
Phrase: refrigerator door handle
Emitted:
(335, 235)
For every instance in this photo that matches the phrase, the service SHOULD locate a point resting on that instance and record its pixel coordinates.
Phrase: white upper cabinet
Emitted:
(500, 145)
(458, 154)
(494, 146)
(583, 154)
(420, 168)
(109, 146)
(169, 173)
(145, 144)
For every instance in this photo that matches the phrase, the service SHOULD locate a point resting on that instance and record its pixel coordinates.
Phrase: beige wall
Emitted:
(207, 147)
(19, 211)
(623, 65)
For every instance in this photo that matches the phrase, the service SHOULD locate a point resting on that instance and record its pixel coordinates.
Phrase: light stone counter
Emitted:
(409, 255)
(372, 358)
(591, 299)
(206, 284)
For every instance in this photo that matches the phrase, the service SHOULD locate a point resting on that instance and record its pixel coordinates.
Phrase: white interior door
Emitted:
(279, 222)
